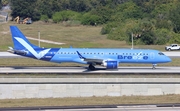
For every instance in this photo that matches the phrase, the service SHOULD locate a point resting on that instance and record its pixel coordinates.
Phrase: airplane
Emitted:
(107, 57)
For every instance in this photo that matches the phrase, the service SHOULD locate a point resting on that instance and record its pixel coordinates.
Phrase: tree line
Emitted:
(150, 21)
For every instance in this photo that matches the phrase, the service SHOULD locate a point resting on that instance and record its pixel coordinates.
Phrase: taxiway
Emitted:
(78, 70)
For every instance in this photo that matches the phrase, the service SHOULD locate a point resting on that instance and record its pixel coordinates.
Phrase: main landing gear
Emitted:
(154, 66)
(91, 67)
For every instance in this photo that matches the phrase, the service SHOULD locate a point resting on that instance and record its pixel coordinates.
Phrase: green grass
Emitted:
(90, 101)
(72, 35)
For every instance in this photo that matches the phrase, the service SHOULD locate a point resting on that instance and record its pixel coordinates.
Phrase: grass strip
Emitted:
(74, 101)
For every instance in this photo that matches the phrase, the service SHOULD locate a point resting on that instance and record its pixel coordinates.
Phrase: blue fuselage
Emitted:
(59, 55)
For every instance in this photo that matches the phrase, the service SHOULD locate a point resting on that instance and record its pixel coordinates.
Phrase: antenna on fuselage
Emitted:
(132, 40)
(39, 35)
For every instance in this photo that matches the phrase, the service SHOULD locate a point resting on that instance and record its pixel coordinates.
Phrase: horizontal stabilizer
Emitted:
(14, 51)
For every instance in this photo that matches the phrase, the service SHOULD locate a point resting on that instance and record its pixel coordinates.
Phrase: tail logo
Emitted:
(29, 48)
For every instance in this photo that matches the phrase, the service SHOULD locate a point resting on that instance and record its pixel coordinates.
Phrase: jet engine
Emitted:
(110, 64)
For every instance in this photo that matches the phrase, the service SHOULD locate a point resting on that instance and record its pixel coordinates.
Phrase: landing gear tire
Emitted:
(91, 67)
(154, 66)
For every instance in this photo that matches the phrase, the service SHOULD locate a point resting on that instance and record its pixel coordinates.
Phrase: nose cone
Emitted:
(168, 59)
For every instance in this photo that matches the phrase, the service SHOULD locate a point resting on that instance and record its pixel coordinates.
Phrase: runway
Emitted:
(166, 107)
(80, 70)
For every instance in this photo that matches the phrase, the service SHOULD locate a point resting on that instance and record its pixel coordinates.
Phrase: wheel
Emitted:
(169, 49)
(91, 67)
(154, 66)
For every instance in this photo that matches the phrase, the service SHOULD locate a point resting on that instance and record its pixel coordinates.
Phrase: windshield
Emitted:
(160, 53)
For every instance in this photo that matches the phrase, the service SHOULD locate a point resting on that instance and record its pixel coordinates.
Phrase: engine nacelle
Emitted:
(110, 64)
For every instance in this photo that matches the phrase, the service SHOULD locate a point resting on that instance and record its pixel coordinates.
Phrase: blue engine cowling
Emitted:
(111, 64)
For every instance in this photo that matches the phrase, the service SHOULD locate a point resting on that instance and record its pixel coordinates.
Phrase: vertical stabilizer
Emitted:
(19, 40)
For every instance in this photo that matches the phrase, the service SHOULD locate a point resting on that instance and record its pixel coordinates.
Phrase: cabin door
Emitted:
(152, 55)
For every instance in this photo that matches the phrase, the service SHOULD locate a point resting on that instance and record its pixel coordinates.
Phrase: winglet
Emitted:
(80, 56)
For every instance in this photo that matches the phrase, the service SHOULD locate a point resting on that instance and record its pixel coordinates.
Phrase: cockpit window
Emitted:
(160, 53)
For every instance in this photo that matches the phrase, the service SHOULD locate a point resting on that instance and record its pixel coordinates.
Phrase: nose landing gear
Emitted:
(154, 66)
